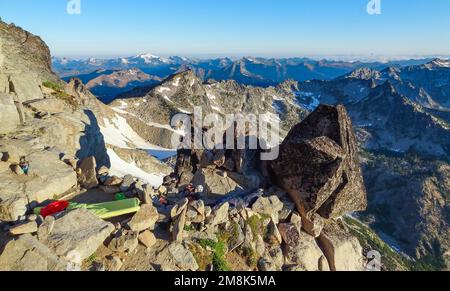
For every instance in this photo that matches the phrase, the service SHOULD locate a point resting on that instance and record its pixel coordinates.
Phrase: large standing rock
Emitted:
(87, 175)
(79, 232)
(178, 226)
(178, 215)
(342, 250)
(28, 254)
(318, 165)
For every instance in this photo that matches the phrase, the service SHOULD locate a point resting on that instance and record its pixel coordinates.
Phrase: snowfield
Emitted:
(119, 133)
(121, 168)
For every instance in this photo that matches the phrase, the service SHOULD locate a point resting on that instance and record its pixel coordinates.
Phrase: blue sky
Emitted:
(236, 27)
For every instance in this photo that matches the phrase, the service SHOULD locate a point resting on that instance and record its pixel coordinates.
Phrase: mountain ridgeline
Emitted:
(247, 71)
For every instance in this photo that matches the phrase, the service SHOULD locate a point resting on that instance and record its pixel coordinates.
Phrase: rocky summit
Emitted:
(91, 186)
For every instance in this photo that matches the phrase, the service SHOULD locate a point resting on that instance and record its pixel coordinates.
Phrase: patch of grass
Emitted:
(60, 93)
(53, 86)
(229, 236)
(205, 243)
(219, 250)
(219, 261)
(66, 97)
(189, 228)
(256, 224)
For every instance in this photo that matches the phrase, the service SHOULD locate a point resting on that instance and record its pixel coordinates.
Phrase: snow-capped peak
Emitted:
(147, 56)
(92, 61)
(151, 59)
(441, 63)
(437, 64)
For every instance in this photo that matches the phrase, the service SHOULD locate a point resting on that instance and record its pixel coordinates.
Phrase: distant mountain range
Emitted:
(107, 84)
(247, 71)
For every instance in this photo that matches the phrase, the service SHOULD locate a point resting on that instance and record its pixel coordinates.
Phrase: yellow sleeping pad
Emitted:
(108, 209)
(111, 209)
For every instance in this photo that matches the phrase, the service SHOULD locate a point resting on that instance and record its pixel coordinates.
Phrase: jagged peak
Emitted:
(391, 69)
(440, 63)
(364, 73)
(76, 88)
(187, 76)
(437, 64)
(289, 84)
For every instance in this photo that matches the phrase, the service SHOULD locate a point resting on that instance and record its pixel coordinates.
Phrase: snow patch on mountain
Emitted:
(442, 63)
(122, 168)
(211, 96)
(307, 100)
(163, 89)
(118, 132)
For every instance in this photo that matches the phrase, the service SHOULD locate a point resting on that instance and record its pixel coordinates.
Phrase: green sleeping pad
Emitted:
(108, 209)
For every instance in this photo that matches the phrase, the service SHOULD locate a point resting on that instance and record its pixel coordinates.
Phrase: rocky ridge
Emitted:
(180, 228)
(49, 126)
(62, 147)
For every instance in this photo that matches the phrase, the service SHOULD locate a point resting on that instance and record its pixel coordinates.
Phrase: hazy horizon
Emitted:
(343, 58)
